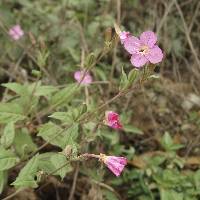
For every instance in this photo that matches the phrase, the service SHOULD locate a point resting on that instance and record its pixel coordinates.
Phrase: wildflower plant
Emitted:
(53, 129)
(63, 128)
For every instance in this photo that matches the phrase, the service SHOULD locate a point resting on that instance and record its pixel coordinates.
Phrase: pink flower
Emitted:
(16, 32)
(123, 36)
(78, 75)
(112, 120)
(114, 163)
(143, 49)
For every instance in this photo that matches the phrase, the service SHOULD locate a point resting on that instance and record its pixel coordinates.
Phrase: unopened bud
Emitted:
(108, 34)
(67, 151)
(117, 29)
(32, 38)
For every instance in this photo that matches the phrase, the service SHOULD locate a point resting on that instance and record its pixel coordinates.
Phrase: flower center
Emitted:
(144, 49)
(102, 157)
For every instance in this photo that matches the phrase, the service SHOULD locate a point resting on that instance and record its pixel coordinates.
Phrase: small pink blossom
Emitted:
(16, 32)
(143, 49)
(114, 163)
(78, 75)
(112, 120)
(123, 36)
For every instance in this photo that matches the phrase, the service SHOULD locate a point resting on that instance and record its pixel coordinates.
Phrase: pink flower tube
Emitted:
(16, 32)
(78, 75)
(115, 164)
(112, 120)
(142, 49)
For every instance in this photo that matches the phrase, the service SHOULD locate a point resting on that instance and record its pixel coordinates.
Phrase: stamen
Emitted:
(144, 49)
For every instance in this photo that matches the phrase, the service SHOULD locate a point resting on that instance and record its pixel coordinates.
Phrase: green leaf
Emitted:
(44, 162)
(166, 141)
(133, 129)
(25, 182)
(57, 136)
(168, 144)
(72, 115)
(74, 54)
(23, 142)
(127, 81)
(170, 195)
(11, 108)
(169, 178)
(63, 96)
(197, 179)
(123, 80)
(10, 117)
(45, 90)
(156, 160)
(110, 195)
(132, 76)
(17, 88)
(30, 168)
(62, 116)
(3, 180)
(28, 95)
(7, 159)
(8, 135)
(10, 112)
(112, 137)
(90, 59)
(26, 177)
(59, 161)
(71, 135)
(52, 133)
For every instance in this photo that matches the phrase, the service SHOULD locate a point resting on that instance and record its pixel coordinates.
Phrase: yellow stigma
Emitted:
(144, 49)
(102, 157)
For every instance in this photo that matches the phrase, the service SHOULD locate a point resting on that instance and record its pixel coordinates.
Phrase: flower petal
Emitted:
(116, 125)
(78, 75)
(155, 55)
(123, 36)
(115, 164)
(110, 115)
(16, 32)
(132, 44)
(148, 38)
(121, 160)
(112, 119)
(138, 60)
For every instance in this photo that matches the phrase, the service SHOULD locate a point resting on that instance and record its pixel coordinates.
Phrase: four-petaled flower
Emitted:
(114, 163)
(82, 77)
(143, 49)
(112, 120)
(16, 32)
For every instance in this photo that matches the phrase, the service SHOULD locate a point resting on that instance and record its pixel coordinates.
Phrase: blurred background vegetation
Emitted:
(162, 141)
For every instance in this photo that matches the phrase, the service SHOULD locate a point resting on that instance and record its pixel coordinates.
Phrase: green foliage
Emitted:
(10, 112)
(58, 136)
(17, 88)
(168, 143)
(23, 143)
(72, 115)
(133, 129)
(127, 81)
(26, 177)
(171, 194)
(44, 110)
(45, 164)
(7, 159)
(8, 135)
(63, 96)
(3, 180)
(59, 161)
